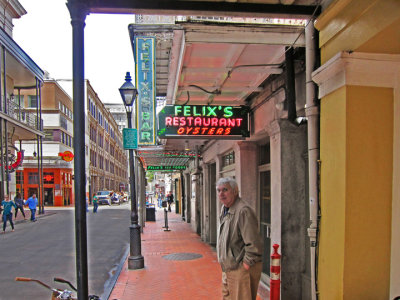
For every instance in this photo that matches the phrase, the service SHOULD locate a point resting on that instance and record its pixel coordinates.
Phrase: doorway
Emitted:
(213, 204)
(265, 218)
(32, 191)
(48, 196)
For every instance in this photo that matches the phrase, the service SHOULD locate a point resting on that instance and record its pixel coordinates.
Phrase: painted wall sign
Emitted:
(204, 121)
(166, 168)
(146, 85)
(66, 155)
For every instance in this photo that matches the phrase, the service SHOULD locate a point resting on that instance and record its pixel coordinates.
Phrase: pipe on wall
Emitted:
(290, 85)
(312, 114)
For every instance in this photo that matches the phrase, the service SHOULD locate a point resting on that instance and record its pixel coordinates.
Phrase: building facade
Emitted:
(57, 148)
(108, 159)
(20, 119)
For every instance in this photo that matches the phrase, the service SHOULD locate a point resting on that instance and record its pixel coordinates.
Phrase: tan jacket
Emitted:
(239, 239)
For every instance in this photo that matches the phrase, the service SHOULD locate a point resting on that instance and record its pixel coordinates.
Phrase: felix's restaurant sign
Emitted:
(203, 121)
(145, 82)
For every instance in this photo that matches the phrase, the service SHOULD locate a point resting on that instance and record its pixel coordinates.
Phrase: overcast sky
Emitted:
(45, 34)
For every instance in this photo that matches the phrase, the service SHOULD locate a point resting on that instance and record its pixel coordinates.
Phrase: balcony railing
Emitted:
(23, 115)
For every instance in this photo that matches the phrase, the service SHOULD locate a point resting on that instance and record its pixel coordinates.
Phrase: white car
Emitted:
(104, 197)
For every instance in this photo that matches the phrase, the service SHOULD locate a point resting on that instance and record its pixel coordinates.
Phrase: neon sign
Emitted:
(165, 168)
(66, 155)
(145, 81)
(204, 121)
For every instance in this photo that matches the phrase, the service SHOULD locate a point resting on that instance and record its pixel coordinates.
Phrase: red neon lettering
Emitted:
(206, 121)
(214, 121)
(175, 121)
(181, 130)
(203, 130)
(196, 130)
(188, 129)
(219, 131)
(231, 122)
(227, 131)
(182, 121)
(211, 131)
(190, 120)
(222, 122)
(168, 121)
(197, 121)
(239, 121)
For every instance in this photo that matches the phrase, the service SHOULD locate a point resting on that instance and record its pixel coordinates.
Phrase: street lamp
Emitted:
(136, 260)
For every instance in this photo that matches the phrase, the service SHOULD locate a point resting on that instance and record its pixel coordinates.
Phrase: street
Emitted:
(46, 249)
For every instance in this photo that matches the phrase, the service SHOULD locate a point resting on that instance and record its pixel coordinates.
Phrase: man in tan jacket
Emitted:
(239, 245)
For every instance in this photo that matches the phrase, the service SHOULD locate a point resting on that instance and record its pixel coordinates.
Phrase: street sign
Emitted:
(130, 138)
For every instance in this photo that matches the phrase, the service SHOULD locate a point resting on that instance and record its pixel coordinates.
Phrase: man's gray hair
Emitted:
(228, 180)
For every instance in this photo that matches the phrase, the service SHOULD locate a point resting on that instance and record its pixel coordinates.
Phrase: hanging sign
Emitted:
(165, 168)
(129, 138)
(146, 85)
(203, 121)
(66, 155)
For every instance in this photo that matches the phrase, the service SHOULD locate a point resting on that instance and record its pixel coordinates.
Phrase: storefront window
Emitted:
(48, 178)
(33, 178)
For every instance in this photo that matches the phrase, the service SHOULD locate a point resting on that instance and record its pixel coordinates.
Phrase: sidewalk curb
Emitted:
(37, 217)
(110, 283)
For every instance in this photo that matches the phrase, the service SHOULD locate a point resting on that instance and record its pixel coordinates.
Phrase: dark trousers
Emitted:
(33, 213)
(9, 218)
(95, 206)
(21, 209)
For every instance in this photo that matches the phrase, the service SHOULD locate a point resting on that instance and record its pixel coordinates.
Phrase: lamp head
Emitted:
(128, 91)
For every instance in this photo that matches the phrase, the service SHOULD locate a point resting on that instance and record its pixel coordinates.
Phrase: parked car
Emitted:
(116, 199)
(104, 197)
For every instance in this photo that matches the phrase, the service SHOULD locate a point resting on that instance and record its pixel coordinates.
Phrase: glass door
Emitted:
(265, 217)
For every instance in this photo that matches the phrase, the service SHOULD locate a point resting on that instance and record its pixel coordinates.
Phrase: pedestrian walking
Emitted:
(95, 203)
(7, 205)
(170, 200)
(19, 202)
(239, 245)
(32, 203)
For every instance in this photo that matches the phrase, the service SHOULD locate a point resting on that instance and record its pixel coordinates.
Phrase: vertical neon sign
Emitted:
(145, 82)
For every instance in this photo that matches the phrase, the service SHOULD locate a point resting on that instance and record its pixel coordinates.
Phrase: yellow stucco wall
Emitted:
(356, 193)
(359, 25)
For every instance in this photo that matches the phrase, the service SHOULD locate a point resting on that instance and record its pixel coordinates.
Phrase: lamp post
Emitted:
(135, 261)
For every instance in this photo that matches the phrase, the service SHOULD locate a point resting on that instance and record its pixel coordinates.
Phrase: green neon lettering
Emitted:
(195, 113)
(228, 111)
(211, 111)
(178, 109)
(186, 110)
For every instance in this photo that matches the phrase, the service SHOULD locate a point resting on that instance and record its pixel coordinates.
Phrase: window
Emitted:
(33, 178)
(228, 159)
(19, 178)
(32, 101)
(48, 178)
(19, 100)
(264, 154)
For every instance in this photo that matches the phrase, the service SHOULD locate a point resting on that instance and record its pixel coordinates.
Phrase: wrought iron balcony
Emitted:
(26, 116)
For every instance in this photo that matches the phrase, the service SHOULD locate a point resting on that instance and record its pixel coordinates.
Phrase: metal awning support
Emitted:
(78, 11)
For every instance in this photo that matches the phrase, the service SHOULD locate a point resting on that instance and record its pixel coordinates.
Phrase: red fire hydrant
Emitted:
(275, 283)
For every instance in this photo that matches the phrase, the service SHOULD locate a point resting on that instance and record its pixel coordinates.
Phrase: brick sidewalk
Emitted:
(164, 278)
(179, 278)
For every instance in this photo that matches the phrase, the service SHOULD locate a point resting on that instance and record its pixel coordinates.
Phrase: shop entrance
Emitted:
(265, 218)
(48, 196)
(32, 191)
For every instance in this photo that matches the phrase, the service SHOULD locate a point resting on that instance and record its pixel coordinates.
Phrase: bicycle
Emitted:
(58, 293)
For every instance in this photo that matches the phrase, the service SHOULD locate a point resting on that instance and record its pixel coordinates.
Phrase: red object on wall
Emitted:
(275, 283)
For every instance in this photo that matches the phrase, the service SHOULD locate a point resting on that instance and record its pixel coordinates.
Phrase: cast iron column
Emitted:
(135, 260)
